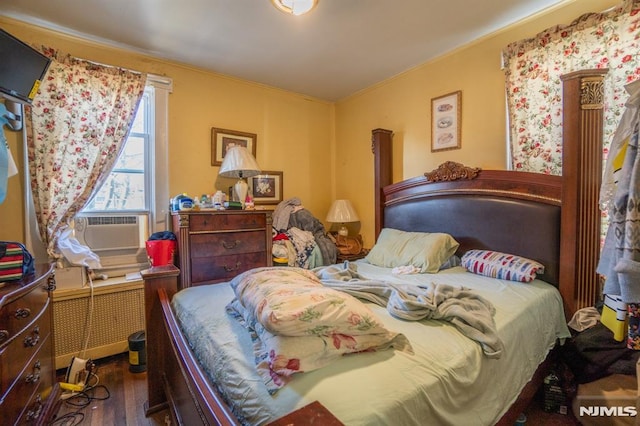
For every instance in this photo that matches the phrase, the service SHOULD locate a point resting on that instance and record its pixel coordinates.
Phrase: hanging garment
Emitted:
(620, 258)
(7, 165)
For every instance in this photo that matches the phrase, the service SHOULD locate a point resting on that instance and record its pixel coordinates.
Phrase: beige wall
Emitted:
(403, 105)
(323, 149)
(294, 132)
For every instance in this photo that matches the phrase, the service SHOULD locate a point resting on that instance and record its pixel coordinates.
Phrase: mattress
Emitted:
(447, 380)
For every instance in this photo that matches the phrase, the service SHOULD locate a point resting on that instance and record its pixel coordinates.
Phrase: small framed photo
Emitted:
(223, 139)
(266, 187)
(446, 121)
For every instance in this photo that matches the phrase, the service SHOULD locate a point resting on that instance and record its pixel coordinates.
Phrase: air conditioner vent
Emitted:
(113, 220)
(119, 241)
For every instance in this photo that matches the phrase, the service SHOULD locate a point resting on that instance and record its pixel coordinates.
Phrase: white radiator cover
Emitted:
(118, 312)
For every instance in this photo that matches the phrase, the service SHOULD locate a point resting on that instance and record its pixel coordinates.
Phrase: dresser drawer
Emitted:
(21, 349)
(35, 377)
(214, 246)
(34, 411)
(224, 244)
(17, 315)
(219, 268)
(226, 221)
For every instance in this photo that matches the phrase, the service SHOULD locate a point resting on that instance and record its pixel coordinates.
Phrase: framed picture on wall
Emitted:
(446, 121)
(223, 139)
(266, 187)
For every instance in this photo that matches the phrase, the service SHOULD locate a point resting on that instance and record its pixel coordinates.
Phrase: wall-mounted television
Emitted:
(22, 68)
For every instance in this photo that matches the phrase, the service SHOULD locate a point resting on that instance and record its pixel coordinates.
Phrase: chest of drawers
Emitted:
(27, 373)
(215, 246)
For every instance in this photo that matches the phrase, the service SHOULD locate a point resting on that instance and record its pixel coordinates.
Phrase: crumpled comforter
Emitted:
(470, 313)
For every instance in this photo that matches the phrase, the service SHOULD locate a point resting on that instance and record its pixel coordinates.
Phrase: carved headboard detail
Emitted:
(450, 170)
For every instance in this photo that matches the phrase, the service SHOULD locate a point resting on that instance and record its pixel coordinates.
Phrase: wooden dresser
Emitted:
(215, 246)
(27, 376)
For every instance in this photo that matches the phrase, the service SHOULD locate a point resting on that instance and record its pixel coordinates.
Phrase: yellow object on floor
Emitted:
(614, 316)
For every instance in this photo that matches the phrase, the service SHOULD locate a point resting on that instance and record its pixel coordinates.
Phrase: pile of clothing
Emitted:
(300, 237)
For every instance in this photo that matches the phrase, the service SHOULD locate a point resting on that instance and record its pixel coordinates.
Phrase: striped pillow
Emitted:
(503, 266)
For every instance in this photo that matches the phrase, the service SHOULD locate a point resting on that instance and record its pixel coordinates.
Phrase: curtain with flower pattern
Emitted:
(76, 126)
(534, 90)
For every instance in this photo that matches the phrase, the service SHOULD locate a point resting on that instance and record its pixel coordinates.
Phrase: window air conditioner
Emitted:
(118, 240)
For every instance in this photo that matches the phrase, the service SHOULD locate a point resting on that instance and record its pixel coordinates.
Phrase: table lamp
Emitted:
(239, 163)
(342, 211)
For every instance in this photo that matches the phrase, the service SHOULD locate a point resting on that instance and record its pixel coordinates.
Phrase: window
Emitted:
(132, 202)
(128, 186)
(123, 251)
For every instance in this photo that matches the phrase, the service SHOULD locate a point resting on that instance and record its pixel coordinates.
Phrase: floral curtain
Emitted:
(76, 126)
(534, 90)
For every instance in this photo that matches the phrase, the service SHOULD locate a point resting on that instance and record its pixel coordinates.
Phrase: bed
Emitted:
(481, 209)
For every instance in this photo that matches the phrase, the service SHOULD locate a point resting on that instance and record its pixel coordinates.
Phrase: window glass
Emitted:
(126, 188)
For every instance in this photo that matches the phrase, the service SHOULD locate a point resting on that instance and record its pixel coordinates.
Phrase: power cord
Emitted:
(89, 318)
(81, 400)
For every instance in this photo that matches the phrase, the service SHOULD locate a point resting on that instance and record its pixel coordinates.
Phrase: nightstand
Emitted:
(342, 257)
(349, 247)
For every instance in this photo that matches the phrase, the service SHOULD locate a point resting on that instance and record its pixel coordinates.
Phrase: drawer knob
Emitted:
(232, 268)
(31, 341)
(22, 313)
(51, 283)
(32, 378)
(35, 376)
(4, 334)
(231, 245)
(34, 413)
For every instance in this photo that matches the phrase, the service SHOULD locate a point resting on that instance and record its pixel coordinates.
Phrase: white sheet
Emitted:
(447, 381)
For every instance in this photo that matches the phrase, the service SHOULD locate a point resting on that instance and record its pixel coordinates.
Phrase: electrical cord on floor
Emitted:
(82, 400)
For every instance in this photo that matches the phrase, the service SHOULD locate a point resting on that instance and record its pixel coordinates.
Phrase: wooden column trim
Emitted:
(181, 227)
(382, 150)
(583, 112)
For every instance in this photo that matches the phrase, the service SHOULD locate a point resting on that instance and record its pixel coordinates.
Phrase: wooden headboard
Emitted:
(512, 212)
(552, 219)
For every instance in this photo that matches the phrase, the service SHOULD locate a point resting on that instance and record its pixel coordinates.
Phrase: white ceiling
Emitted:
(340, 48)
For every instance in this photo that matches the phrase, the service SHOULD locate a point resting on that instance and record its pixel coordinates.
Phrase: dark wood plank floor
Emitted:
(126, 393)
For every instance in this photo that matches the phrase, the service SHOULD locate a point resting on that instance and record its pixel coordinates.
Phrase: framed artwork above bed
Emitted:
(266, 187)
(446, 121)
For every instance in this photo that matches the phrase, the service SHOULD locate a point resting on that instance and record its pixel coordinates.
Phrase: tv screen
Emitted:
(22, 68)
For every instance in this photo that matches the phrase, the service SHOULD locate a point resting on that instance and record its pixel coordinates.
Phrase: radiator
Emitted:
(118, 312)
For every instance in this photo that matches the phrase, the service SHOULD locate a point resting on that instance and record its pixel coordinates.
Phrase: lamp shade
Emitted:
(342, 211)
(239, 163)
(295, 7)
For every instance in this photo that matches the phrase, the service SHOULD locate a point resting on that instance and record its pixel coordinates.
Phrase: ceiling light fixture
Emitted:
(295, 7)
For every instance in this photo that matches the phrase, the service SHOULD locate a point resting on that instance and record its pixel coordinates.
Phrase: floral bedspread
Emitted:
(298, 325)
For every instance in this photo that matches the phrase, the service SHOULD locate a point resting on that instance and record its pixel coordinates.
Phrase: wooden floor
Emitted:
(126, 394)
(120, 395)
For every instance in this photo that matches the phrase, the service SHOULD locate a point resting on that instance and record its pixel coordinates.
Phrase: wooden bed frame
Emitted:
(533, 215)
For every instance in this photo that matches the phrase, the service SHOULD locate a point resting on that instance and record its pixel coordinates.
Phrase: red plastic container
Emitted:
(160, 252)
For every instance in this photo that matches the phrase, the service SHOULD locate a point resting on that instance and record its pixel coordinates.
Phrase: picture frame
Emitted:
(446, 122)
(266, 187)
(222, 139)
